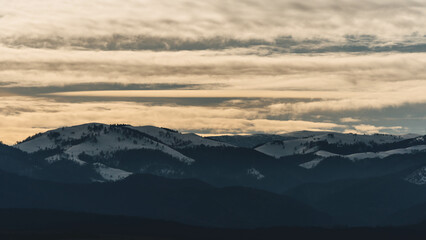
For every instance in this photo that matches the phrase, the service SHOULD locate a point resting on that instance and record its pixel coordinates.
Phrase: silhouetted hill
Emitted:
(187, 201)
(362, 201)
(411, 215)
(17, 224)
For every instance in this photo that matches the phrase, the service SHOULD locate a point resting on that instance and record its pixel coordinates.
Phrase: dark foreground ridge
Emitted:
(188, 201)
(49, 224)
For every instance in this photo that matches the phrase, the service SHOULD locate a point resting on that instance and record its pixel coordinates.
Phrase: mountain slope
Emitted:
(250, 141)
(14, 160)
(98, 152)
(175, 139)
(187, 201)
(114, 152)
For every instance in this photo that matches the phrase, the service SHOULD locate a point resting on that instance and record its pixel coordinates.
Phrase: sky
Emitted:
(213, 66)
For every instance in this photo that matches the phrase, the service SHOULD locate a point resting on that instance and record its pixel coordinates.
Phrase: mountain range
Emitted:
(302, 178)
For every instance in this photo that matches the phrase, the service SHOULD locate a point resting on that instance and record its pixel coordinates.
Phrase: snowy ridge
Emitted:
(94, 139)
(178, 140)
(306, 134)
(366, 155)
(51, 139)
(108, 145)
(409, 150)
(249, 141)
(279, 149)
(307, 143)
(362, 156)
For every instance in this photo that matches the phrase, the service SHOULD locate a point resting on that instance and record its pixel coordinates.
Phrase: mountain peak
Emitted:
(94, 139)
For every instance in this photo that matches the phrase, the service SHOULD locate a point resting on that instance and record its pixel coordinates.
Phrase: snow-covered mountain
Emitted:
(354, 147)
(100, 152)
(94, 139)
(366, 155)
(311, 142)
(95, 146)
(99, 142)
(322, 155)
(325, 169)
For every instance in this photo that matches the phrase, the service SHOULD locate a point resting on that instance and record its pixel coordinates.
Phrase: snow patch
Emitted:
(311, 164)
(418, 177)
(326, 154)
(255, 173)
(64, 156)
(110, 174)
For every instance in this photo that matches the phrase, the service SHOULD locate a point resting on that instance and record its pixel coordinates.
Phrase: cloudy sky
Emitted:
(213, 66)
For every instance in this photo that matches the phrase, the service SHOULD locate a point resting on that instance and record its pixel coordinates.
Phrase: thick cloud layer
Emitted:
(242, 19)
(213, 66)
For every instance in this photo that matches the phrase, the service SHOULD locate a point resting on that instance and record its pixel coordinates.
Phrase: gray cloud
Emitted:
(139, 42)
(279, 45)
(160, 25)
(100, 86)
